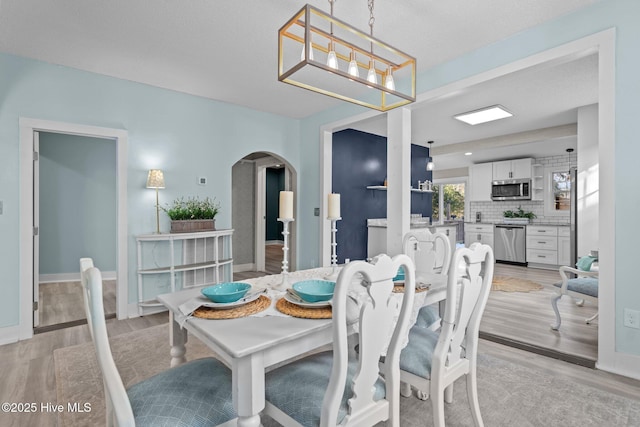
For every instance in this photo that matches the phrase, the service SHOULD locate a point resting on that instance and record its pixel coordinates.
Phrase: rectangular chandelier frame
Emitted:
(307, 38)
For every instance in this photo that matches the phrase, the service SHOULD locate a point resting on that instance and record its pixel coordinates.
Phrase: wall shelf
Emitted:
(384, 188)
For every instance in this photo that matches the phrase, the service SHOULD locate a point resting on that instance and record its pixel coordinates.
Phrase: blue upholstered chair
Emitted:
(584, 286)
(433, 360)
(342, 387)
(197, 393)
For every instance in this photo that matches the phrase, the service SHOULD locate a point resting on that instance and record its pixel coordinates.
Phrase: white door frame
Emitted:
(36, 236)
(27, 128)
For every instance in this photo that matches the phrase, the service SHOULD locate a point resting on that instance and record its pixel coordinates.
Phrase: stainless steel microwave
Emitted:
(511, 189)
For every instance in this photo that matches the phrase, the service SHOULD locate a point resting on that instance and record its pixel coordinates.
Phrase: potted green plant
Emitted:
(518, 216)
(192, 214)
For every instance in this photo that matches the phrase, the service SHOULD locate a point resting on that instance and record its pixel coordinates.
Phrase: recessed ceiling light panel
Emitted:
(483, 115)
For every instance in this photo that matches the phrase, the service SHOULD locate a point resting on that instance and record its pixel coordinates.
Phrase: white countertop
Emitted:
(414, 222)
(543, 224)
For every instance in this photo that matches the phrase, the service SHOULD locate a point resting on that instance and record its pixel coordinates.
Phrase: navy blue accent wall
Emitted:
(360, 160)
(420, 202)
(274, 184)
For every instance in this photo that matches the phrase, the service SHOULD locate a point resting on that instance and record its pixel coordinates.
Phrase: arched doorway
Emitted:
(257, 180)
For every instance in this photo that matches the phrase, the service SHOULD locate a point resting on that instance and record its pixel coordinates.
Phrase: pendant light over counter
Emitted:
(430, 161)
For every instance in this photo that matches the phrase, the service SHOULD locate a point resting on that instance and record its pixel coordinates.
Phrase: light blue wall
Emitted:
(624, 16)
(186, 136)
(77, 202)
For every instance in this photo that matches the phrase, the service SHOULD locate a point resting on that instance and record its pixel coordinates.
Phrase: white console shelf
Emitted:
(185, 260)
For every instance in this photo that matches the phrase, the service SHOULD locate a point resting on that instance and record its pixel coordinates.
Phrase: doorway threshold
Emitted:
(64, 325)
(543, 351)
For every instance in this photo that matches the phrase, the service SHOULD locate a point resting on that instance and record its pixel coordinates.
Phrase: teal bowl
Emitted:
(400, 275)
(315, 290)
(226, 291)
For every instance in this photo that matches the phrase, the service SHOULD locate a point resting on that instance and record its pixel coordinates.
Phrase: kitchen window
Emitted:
(557, 198)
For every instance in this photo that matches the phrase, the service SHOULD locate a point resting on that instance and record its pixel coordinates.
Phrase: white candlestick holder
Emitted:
(334, 246)
(285, 253)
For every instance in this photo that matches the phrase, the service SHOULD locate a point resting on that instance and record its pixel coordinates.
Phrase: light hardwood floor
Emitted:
(273, 258)
(523, 319)
(61, 303)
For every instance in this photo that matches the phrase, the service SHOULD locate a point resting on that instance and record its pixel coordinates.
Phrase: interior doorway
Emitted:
(29, 129)
(75, 215)
(257, 180)
(604, 44)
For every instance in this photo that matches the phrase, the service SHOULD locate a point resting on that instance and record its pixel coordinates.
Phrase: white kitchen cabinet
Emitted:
(542, 246)
(169, 262)
(480, 177)
(564, 246)
(449, 231)
(477, 232)
(512, 169)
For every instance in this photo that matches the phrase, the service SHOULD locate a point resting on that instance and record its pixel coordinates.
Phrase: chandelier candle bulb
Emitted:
(286, 205)
(334, 205)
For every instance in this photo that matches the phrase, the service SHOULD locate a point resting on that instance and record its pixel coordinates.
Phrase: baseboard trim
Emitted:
(9, 334)
(239, 268)
(554, 354)
(63, 325)
(133, 310)
(72, 277)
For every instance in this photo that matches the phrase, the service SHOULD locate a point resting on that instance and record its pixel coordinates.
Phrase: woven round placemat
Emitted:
(399, 289)
(291, 309)
(248, 309)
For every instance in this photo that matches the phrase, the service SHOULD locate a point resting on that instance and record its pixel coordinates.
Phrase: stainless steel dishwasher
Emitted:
(510, 243)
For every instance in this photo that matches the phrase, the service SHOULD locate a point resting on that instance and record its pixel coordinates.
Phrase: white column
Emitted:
(398, 177)
(588, 180)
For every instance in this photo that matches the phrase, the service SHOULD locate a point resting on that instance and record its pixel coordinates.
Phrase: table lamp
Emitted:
(155, 179)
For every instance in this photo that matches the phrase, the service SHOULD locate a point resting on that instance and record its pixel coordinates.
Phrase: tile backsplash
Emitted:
(492, 211)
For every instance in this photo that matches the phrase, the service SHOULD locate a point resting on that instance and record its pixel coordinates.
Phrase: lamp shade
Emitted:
(155, 179)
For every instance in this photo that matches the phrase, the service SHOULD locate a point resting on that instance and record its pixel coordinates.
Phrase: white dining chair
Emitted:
(343, 387)
(433, 360)
(431, 255)
(197, 393)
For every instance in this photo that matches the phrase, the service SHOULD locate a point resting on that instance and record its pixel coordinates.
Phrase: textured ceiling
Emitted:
(227, 50)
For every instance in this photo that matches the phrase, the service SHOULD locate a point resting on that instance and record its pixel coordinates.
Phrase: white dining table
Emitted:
(251, 345)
